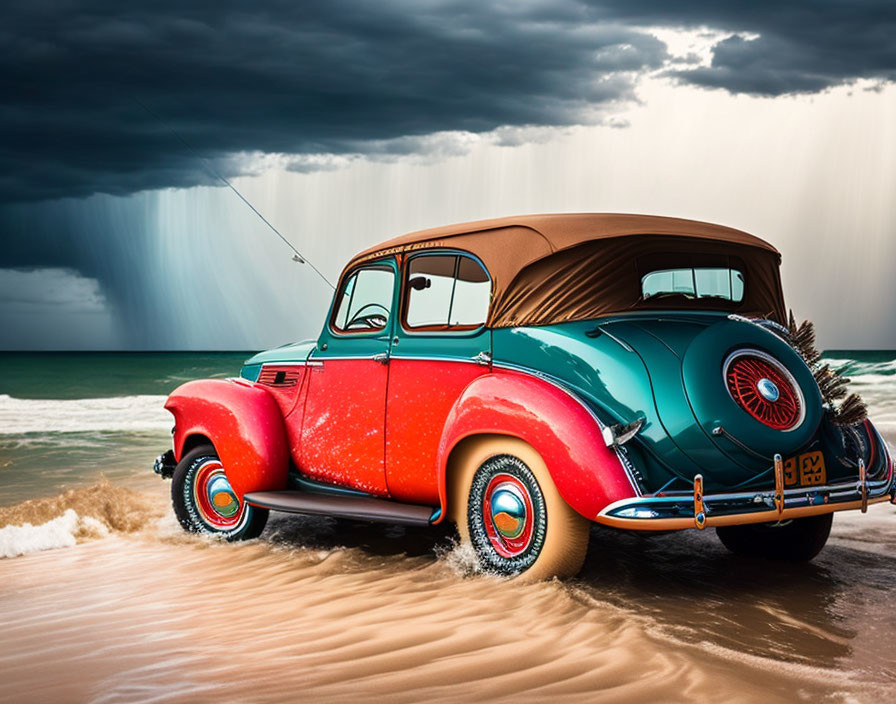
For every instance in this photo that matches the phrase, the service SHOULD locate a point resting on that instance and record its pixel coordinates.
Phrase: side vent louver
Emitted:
(278, 376)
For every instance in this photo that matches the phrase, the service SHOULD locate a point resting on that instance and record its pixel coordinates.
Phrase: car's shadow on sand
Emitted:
(328, 533)
(687, 581)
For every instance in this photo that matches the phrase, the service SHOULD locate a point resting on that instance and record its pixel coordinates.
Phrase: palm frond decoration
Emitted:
(846, 408)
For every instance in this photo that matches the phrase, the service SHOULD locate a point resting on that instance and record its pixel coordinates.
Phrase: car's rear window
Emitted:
(692, 283)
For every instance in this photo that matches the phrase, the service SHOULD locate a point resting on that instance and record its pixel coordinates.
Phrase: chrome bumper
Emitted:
(683, 510)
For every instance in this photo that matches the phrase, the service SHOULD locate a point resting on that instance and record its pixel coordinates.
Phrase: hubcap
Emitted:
(762, 386)
(215, 499)
(768, 390)
(508, 515)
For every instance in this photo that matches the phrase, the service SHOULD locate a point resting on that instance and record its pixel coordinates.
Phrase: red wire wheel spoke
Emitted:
(508, 515)
(215, 499)
(746, 374)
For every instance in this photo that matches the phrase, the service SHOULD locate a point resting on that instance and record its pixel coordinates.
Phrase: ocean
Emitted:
(103, 598)
(69, 419)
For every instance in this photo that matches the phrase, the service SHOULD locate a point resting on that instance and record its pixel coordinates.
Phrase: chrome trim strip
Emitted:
(415, 358)
(340, 358)
(394, 355)
(622, 343)
(762, 324)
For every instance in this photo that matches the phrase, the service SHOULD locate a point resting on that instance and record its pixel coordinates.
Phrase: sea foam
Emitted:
(120, 413)
(77, 514)
(60, 532)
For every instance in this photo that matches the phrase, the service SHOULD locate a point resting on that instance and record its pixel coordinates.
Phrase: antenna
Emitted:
(297, 255)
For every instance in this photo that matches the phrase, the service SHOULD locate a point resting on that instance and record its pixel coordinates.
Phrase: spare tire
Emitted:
(714, 406)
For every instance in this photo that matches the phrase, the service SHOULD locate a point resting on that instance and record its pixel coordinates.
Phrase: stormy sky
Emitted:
(349, 122)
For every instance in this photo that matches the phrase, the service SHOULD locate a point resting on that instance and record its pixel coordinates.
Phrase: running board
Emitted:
(364, 508)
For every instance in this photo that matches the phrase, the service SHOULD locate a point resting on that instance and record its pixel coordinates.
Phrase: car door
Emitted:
(343, 428)
(440, 345)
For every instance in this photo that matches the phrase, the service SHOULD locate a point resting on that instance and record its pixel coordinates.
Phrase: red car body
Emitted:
(259, 430)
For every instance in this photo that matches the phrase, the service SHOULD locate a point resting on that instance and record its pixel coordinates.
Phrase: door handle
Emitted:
(382, 358)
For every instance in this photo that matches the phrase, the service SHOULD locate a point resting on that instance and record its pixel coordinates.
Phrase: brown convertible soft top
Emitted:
(558, 268)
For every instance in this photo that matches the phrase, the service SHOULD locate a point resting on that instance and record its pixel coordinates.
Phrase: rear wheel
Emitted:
(507, 507)
(798, 540)
(204, 501)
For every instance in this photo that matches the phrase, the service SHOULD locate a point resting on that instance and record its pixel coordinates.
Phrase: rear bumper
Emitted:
(678, 511)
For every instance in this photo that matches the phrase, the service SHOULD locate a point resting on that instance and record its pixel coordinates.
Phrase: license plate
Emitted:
(805, 470)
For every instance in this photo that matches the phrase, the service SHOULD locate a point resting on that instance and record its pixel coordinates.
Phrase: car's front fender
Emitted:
(243, 422)
(557, 424)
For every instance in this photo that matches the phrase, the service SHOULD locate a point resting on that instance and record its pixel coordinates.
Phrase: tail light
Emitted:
(763, 387)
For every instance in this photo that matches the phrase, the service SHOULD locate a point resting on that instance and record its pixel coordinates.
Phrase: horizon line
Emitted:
(265, 349)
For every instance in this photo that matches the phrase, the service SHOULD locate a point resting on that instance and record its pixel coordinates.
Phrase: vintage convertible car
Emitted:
(527, 376)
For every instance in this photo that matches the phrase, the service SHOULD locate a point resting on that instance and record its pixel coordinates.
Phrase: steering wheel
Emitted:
(372, 320)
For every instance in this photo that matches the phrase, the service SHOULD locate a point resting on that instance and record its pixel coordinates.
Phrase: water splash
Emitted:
(74, 516)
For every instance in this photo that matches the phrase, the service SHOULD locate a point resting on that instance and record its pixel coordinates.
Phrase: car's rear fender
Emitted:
(244, 423)
(559, 426)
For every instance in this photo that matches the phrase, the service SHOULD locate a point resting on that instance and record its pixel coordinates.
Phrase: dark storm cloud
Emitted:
(803, 46)
(93, 90)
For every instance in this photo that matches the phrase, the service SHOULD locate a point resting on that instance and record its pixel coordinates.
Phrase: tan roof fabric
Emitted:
(603, 277)
(559, 231)
(556, 268)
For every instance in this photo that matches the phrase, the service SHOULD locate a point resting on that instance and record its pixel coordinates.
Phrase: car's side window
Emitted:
(446, 291)
(365, 301)
(472, 292)
(430, 283)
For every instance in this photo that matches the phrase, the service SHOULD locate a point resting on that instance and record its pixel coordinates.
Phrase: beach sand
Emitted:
(332, 611)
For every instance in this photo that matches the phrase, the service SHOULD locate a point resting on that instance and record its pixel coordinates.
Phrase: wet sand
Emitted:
(332, 611)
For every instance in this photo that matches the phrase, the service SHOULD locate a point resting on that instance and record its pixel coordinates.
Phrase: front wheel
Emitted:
(798, 540)
(204, 501)
(514, 517)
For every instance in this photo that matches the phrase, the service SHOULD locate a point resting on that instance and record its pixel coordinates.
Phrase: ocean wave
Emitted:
(120, 413)
(60, 532)
(856, 368)
(838, 362)
(75, 515)
(882, 383)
